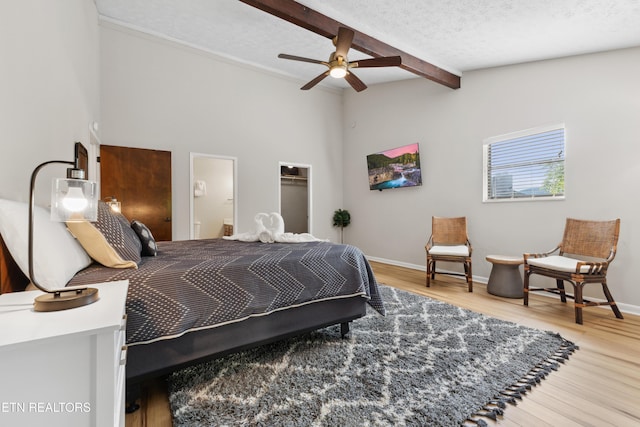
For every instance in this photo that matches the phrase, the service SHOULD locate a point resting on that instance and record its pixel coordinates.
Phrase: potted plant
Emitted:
(341, 218)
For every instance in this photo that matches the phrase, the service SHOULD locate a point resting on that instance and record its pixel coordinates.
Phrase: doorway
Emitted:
(295, 197)
(213, 196)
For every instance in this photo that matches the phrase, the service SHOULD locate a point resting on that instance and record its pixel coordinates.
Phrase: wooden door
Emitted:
(141, 180)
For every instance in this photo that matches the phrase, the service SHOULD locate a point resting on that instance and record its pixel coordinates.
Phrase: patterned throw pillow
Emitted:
(149, 247)
(110, 240)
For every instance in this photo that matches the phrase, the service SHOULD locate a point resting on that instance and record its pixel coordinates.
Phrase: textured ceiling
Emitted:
(456, 35)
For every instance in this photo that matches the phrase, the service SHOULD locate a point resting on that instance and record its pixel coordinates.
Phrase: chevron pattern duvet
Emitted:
(199, 284)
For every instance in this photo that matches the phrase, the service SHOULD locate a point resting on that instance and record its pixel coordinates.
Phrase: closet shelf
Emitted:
(293, 178)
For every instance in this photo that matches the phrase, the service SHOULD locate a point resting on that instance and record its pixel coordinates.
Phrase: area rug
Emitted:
(426, 363)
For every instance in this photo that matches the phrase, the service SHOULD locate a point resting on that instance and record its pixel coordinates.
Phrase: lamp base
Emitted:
(64, 300)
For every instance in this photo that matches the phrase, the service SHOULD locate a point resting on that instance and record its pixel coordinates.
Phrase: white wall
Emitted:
(49, 86)
(157, 94)
(596, 96)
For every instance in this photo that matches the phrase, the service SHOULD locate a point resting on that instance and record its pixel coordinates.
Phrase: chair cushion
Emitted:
(558, 263)
(453, 250)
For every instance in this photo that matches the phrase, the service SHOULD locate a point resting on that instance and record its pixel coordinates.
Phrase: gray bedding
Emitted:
(199, 284)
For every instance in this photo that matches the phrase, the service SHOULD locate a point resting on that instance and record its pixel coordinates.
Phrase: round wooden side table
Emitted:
(505, 279)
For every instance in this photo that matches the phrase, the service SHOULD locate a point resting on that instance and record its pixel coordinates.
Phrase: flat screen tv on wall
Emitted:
(395, 168)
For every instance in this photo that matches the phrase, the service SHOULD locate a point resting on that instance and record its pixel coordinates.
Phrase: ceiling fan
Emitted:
(338, 65)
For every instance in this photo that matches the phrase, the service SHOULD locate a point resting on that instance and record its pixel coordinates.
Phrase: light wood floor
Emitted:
(598, 386)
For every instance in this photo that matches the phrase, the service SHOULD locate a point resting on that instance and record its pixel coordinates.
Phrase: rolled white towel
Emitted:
(297, 238)
(266, 236)
(243, 237)
(259, 222)
(253, 235)
(269, 228)
(276, 223)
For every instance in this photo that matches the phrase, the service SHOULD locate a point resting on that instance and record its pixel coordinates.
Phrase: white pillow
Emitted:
(57, 256)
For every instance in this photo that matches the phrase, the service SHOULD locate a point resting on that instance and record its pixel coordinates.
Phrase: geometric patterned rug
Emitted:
(426, 363)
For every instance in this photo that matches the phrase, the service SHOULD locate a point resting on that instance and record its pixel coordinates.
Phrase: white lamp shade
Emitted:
(74, 200)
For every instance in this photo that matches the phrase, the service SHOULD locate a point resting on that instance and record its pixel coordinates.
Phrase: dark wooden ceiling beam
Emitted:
(318, 23)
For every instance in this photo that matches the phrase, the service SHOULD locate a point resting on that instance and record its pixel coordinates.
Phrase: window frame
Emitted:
(512, 136)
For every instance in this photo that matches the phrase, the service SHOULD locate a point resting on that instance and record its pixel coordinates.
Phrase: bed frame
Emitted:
(163, 357)
(11, 277)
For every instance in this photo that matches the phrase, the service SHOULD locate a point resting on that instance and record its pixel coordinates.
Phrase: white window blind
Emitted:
(525, 165)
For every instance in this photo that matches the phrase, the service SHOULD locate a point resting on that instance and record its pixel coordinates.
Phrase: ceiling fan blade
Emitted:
(384, 61)
(343, 41)
(300, 58)
(355, 82)
(315, 81)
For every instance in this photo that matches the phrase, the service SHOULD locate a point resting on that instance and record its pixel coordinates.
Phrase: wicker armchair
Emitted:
(583, 256)
(449, 242)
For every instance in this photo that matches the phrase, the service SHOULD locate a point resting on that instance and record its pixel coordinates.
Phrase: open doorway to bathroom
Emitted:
(213, 196)
(295, 197)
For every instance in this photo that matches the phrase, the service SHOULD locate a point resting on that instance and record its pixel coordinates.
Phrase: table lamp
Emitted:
(114, 204)
(72, 199)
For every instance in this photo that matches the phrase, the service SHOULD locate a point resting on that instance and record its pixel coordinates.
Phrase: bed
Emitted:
(200, 299)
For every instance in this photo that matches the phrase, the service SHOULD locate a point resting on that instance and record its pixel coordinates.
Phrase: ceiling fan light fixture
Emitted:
(338, 71)
(338, 63)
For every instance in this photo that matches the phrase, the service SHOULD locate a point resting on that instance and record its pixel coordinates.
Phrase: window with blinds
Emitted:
(525, 165)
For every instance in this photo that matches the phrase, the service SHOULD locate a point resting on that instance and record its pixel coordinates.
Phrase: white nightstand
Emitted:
(63, 368)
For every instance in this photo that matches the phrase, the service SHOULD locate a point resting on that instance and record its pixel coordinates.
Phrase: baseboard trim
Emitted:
(625, 308)
(476, 279)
